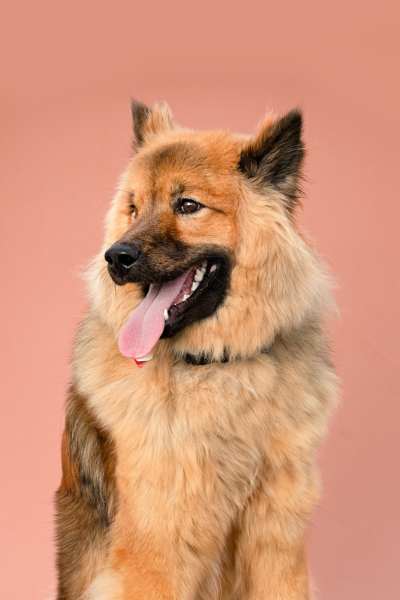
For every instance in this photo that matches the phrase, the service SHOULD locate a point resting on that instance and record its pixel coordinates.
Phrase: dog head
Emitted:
(201, 245)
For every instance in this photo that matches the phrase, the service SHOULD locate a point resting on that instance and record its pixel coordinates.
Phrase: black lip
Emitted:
(204, 301)
(116, 277)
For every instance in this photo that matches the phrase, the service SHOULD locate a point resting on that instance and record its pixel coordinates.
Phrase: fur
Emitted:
(197, 482)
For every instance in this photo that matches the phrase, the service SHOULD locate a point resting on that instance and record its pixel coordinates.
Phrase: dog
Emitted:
(201, 376)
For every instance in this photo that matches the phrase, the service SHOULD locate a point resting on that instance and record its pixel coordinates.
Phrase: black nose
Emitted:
(122, 256)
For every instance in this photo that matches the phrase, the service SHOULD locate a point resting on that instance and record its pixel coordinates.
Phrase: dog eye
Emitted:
(132, 210)
(187, 206)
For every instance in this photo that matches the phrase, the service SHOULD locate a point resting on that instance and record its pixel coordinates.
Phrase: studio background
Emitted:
(68, 72)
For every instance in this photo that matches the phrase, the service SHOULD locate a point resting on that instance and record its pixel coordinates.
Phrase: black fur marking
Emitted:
(206, 359)
(162, 258)
(88, 446)
(275, 156)
(140, 114)
(86, 499)
(167, 245)
(176, 154)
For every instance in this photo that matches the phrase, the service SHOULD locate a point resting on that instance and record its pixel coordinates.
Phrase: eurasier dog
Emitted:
(202, 381)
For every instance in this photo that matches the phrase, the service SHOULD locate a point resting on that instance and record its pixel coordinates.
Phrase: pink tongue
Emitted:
(145, 325)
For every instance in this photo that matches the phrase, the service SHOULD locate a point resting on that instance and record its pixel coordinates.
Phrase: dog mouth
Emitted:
(197, 279)
(170, 306)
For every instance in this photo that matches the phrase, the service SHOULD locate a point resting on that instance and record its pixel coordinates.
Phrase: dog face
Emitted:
(200, 239)
(177, 214)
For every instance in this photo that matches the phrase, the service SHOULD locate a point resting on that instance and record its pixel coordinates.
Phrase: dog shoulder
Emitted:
(87, 458)
(85, 500)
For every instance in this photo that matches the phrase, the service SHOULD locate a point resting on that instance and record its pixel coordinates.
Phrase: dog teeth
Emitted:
(185, 297)
(213, 268)
(145, 358)
(198, 276)
(195, 285)
(166, 315)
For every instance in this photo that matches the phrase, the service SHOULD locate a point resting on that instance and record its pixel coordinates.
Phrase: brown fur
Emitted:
(186, 482)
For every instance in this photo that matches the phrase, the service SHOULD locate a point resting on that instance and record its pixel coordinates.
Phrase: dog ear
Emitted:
(148, 121)
(274, 156)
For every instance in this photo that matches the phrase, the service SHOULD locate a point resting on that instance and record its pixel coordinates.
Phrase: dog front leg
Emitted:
(274, 573)
(271, 558)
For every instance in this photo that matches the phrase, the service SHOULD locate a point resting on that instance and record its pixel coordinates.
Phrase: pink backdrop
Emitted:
(67, 74)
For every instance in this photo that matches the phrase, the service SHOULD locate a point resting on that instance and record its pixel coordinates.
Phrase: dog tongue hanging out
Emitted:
(147, 321)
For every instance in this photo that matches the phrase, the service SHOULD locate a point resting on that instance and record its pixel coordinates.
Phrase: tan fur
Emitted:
(215, 472)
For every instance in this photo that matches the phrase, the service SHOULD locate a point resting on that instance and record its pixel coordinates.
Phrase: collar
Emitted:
(206, 359)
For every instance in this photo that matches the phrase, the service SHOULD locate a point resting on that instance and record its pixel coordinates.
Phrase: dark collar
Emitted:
(206, 359)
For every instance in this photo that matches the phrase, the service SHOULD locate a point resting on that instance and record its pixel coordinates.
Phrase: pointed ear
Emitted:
(148, 121)
(274, 156)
